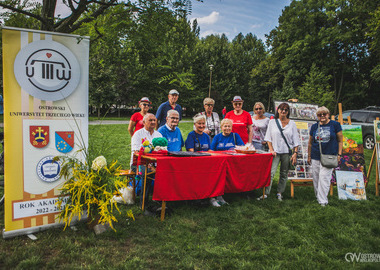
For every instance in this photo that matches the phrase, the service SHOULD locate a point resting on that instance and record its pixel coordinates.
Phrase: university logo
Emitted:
(64, 141)
(48, 170)
(39, 136)
(47, 70)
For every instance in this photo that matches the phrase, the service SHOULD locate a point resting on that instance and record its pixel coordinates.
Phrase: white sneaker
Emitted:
(279, 197)
(214, 202)
(262, 197)
(221, 201)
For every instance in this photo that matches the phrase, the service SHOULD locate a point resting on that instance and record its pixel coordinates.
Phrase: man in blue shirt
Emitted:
(168, 105)
(171, 132)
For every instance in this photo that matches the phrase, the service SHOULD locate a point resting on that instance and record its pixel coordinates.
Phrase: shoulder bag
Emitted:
(328, 161)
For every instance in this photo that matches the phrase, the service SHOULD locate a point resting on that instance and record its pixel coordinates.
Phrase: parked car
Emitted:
(267, 114)
(365, 118)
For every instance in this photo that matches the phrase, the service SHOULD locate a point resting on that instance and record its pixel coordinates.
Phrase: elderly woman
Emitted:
(259, 126)
(242, 121)
(136, 121)
(198, 140)
(212, 118)
(329, 133)
(226, 140)
(283, 141)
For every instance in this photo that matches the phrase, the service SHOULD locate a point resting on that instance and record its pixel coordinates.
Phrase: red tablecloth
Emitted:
(248, 172)
(190, 178)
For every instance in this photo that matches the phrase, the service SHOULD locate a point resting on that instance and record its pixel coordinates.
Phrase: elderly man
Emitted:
(171, 132)
(171, 104)
(146, 133)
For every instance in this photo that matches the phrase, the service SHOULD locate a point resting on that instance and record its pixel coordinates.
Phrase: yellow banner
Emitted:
(45, 115)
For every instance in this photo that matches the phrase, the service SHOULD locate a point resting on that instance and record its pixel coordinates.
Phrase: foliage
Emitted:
(90, 189)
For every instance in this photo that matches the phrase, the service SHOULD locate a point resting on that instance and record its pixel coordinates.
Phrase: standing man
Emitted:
(171, 132)
(171, 104)
(224, 112)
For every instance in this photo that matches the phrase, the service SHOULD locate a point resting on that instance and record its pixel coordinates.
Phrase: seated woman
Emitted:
(226, 140)
(197, 140)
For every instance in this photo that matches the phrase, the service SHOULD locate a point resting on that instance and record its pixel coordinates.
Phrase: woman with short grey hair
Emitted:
(329, 134)
(212, 118)
(198, 140)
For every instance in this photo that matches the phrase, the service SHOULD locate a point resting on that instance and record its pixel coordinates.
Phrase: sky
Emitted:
(231, 17)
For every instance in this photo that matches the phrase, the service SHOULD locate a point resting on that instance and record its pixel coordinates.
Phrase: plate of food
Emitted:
(245, 149)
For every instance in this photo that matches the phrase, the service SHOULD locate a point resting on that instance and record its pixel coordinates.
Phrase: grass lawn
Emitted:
(247, 234)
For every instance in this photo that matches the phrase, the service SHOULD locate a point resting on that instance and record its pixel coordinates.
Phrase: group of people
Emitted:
(279, 136)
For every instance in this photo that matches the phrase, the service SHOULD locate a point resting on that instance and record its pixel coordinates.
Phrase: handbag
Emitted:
(291, 166)
(328, 161)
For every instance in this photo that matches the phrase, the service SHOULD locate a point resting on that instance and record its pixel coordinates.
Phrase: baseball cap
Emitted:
(237, 99)
(173, 92)
(145, 99)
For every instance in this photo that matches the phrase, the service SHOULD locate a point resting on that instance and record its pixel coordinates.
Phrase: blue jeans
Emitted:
(284, 168)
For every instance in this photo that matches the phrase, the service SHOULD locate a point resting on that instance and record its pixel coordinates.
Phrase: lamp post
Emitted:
(209, 90)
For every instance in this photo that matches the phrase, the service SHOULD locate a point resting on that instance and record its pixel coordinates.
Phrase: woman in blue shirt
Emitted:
(330, 135)
(197, 140)
(226, 140)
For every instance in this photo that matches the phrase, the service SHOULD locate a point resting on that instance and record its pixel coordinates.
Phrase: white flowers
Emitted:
(99, 163)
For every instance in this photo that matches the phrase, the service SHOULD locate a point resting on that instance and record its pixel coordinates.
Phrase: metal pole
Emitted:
(209, 90)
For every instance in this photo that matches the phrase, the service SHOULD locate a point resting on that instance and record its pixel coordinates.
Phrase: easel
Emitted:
(374, 162)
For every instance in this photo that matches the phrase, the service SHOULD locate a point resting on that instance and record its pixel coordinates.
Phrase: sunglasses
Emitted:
(145, 105)
(258, 109)
(284, 110)
(210, 105)
(321, 114)
(238, 104)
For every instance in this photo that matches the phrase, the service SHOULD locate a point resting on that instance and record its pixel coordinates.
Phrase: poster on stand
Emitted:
(45, 115)
(352, 159)
(302, 111)
(302, 170)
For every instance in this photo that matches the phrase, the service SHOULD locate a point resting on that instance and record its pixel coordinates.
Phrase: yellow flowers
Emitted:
(90, 189)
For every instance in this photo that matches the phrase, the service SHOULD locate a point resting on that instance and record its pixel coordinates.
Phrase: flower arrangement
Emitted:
(90, 189)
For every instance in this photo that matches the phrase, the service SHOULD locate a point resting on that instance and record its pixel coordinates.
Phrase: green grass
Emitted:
(247, 234)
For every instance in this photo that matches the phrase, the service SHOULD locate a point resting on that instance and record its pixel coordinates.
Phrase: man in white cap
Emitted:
(168, 105)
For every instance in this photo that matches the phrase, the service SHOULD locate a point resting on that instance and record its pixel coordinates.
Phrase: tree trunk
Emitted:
(47, 13)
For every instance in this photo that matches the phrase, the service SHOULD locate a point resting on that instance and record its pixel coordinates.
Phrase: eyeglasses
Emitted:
(145, 105)
(284, 110)
(321, 114)
(238, 104)
(210, 105)
(174, 118)
(258, 109)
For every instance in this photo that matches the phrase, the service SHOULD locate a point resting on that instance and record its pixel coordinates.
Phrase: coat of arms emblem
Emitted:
(39, 136)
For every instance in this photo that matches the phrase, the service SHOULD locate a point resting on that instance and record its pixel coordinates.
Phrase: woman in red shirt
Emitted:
(136, 121)
(242, 121)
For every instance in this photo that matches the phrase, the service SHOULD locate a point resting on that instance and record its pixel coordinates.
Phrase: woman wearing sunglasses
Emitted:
(329, 134)
(212, 118)
(259, 126)
(283, 141)
(136, 121)
(242, 121)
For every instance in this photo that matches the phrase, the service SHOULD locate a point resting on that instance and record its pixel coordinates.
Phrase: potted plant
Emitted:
(90, 189)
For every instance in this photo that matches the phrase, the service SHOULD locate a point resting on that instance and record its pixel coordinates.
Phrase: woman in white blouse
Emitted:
(259, 126)
(282, 150)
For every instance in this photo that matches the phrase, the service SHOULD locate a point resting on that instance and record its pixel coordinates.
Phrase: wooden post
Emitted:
(163, 208)
(340, 118)
(146, 172)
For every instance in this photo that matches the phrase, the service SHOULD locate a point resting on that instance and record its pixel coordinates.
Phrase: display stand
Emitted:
(374, 162)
